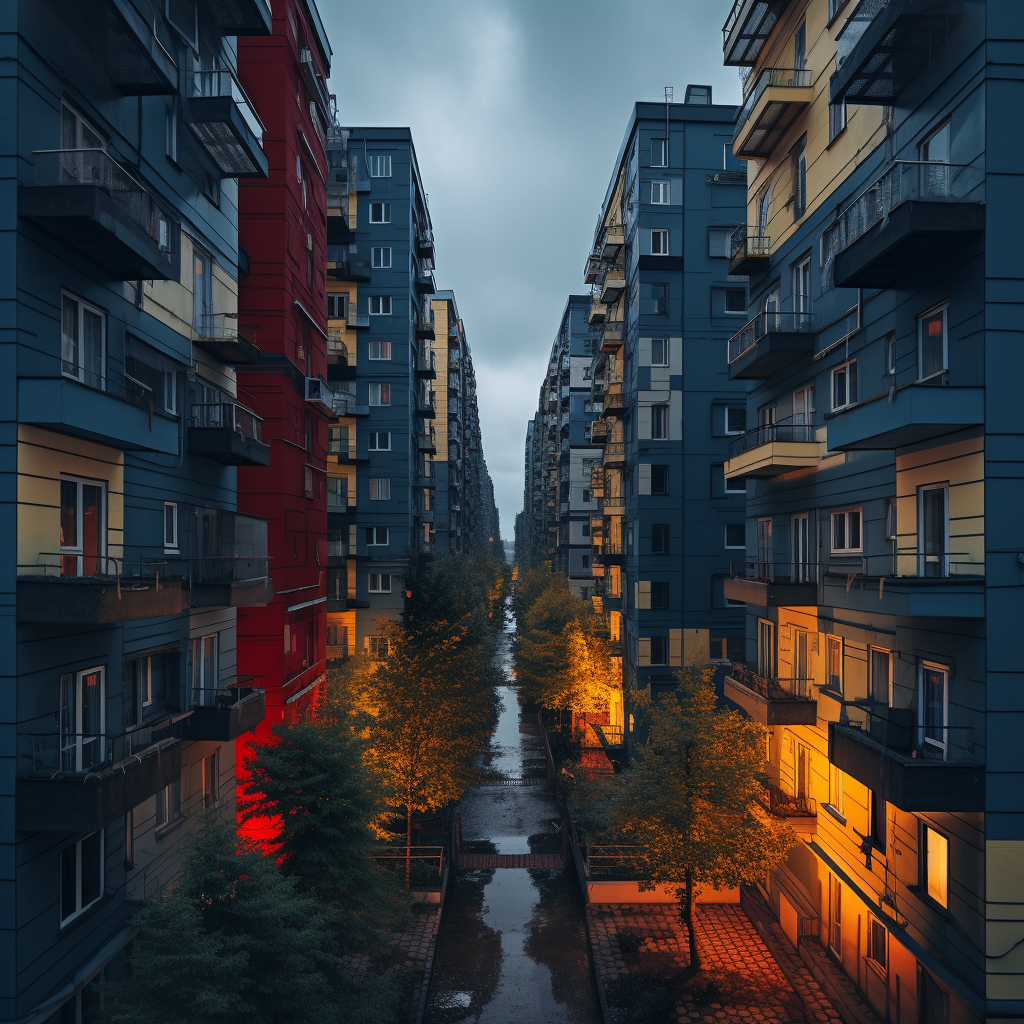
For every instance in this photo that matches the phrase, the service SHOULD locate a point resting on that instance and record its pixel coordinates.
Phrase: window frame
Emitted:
(667, 535)
(381, 301)
(171, 546)
(378, 255)
(375, 164)
(199, 684)
(663, 240)
(924, 666)
(729, 432)
(850, 386)
(662, 468)
(846, 513)
(375, 531)
(378, 484)
(834, 645)
(735, 547)
(664, 151)
(383, 351)
(72, 743)
(941, 309)
(168, 807)
(664, 190)
(375, 582)
(941, 896)
(731, 483)
(77, 550)
(659, 429)
(81, 375)
(80, 907)
(385, 213)
(872, 687)
(742, 310)
(665, 354)
(382, 391)
(373, 440)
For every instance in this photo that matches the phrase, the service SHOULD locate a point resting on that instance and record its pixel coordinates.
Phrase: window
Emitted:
(171, 133)
(659, 242)
(170, 526)
(735, 301)
(379, 165)
(653, 298)
(800, 183)
(763, 205)
(660, 594)
(936, 865)
(81, 876)
(83, 527)
(337, 492)
(846, 531)
(736, 485)
(931, 345)
(376, 536)
(337, 440)
(766, 648)
(129, 840)
(880, 675)
(337, 306)
(379, 305)
(659, 352)
(380, 213)
(82, 342)
(802, 286)
(378, 646)
(890, 355)
(659, 422)
(720, 242)
(659, 538)
(934, 704)
(933, 530)
(835, 916)
(836, 118)
(877, 943)
(168, 804)
(661, 192)
(380, 394)
(380, 488)
(890, 519)
(844, 385)
(659, 650)
(876, 821)
(835, 789)
(735, 535)
(765, 552)
(803, 406)
(735, 419)
(211, 779)
(834, 7)
(800, 48)
(379, 350)
(586, 495)
(659, 480)
(82, 719)
(659, 152)
(935, 147)
(380, 583)
(378, 441)
(380, 257)
(205, 670)
(834, 664)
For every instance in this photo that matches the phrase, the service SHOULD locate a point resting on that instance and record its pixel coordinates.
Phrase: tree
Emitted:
(690, 803)
(310, 780)
(234, 941)
(591, 682)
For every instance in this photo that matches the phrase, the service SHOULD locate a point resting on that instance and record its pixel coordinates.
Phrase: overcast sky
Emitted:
(517, 109)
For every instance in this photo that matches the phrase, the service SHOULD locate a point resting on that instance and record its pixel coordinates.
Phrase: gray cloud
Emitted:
(517, 111)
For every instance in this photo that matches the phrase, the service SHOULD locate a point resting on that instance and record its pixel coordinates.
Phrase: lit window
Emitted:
(380, 213)
(834, 665)
(378, 646)
(846, 531)
(936, 867)
(835, 789)
(81, 876)
(877, 944)
(932, 345)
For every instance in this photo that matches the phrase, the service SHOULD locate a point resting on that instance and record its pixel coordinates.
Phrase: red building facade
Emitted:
(282, 228)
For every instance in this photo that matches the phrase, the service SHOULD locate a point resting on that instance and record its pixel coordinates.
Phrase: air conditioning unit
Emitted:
(319, 392)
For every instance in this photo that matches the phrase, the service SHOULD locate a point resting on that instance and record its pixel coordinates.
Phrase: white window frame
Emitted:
(378, 305)
(734, 433)
(76, 550)
(171, 508)
(378, 531)
(850, 393)
(943, 309)
(878, 959)
(378, 165)
(664, 351)
(378, 351)
(80, 371)
(846, 513)
(661, 193)
(663, 242)
(936, 865)
(378, 582)
(379, 394)
(79, 907)
(890, 355)
(926, 740)
(726, 292)
(379, 488)
(835, 790)
(373, 441)
(336, 305)
(767, 651)
(72, 742)
(922, 556)
(380, 257)
(384, 213)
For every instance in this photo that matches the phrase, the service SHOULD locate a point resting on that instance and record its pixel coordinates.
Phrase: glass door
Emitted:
(764, 549)
(935, 705)
(933, 531)
(801, 549)
(766, 648)
(205, 673)
(82, 528)
(82, 720)
(935, 172)
(802, 287)
(801, 667)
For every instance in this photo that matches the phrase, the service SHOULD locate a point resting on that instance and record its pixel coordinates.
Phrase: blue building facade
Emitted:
(125, 132)
(882, 466)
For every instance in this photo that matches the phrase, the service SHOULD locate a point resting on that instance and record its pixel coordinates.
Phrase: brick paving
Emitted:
(553, 861)
(755, 981)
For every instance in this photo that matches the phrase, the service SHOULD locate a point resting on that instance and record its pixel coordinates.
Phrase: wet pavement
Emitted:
(513, 943)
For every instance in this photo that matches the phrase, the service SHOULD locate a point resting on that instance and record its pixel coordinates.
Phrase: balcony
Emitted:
(223, 714)
(598, 313)
(425, 326)
(613, 405)
(613, 286)
(614, 453)
(240, 17)
(83, 782)
(778, 98)
(612, 336)
(614, 238)
(345, 402)
(610, 554)
(314, 82)
(770, 700)
(425, 404)
(320, 396)
(225, 122)
(747, 29)
(227, 432)
(769, 584)
(220, 336)
(425, 242)
(907, 583)
(749, 251)
(885, 750)
(774, 449)
(799, 812)
(357, 320)
(885, 44)
(426, 443)
(598, 432)
(343, 265)
(64, 588)
(916, 414)
(768, 343)
(426, 366)
(908, 219)
(425, 278)
(92, 203)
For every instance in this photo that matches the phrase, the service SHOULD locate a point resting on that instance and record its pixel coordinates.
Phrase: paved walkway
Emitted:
(748, 983)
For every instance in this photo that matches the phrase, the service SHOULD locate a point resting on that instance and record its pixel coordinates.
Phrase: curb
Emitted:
(420, 1006)
(602, 998)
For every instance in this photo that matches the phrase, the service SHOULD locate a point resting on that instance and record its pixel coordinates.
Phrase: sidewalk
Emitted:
(748, 982)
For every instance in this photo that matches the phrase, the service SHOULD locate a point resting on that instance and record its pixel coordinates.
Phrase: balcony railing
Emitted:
(221, 335)
(772, 433)
(749, 242)
(771, 687)
(226, 414)
(786, 78)
(232, 133)
(769, 570)
(764, 324)
(780, 804)
(747, 29)
(911, 562)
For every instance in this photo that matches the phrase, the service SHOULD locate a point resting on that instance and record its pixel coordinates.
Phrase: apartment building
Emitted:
(283, 232)
(880, 650)
(446, 434)
(125, 134)
(666, 523)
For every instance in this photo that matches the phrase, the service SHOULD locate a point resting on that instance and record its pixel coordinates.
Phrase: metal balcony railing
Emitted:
(793, 78)
(57, 754)
(223, 82)
(71, 167)
(901, 731)
(780, 804)
(902, 181)
(914, 563)
(750, 241)
(766, 569)
(771, 687)
(764, 324)
(218, 327)
(770, 433)
(856, 25)
(226, 414)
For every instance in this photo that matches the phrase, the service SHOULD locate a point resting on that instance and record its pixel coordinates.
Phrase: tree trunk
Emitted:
(694, 966)
(408, 836)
